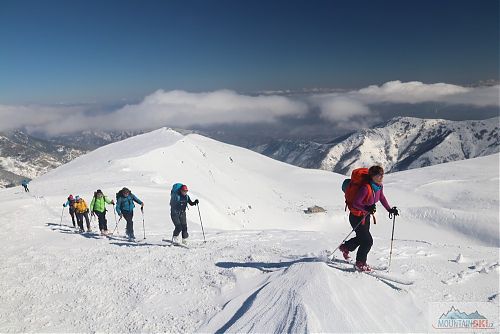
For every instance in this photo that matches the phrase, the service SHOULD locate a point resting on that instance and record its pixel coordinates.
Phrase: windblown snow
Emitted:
(263, 267)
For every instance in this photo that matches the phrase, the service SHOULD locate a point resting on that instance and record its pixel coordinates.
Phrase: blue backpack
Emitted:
(175, 190)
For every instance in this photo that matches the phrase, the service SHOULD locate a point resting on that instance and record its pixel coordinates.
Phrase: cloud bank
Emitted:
(343, 106)
(174, 108)
(349, 110)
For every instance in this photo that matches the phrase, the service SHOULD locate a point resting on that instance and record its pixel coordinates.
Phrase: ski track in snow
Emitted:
(258, 276)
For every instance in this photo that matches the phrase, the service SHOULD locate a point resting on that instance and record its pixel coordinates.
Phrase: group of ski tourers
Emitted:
(362, 191)
(124, 206)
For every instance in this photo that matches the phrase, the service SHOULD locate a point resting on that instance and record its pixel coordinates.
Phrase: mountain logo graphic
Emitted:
(454, 313)
(455, 319)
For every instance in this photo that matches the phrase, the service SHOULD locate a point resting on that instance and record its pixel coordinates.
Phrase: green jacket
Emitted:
(99, 204)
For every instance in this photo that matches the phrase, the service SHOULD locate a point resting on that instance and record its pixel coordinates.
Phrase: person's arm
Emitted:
(383, 200)
(195, 202)
(358, 202)
(118, 204)
(138, 201)
(92, 204)
(107, 200)
(66, 204)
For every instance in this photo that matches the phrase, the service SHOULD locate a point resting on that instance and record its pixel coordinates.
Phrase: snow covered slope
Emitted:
(400, 144)
(262, 268)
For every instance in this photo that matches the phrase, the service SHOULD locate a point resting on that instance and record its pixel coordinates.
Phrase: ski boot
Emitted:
(345, 252)
(363, 266)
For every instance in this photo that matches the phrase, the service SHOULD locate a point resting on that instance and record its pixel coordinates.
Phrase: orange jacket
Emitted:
(81, 207)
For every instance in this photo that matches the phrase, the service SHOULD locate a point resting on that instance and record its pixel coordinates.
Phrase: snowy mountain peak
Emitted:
(399, 144)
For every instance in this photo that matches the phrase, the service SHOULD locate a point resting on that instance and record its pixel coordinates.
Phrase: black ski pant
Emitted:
(26, 189)
(72, 214)
(130, 224)
(103, 223)
(180, 223)
(79, 218)
(363, 238)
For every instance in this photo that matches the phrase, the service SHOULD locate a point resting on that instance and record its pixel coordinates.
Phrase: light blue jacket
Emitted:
(126, 204)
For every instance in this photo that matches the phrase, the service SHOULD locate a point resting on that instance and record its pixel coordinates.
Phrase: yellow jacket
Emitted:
(81, 207)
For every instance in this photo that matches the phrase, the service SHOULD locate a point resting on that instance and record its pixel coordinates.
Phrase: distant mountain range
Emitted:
(400, 144)
(92, 139)
(24, 156)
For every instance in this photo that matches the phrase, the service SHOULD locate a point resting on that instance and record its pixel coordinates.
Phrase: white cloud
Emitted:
(343, 106)
(174, 108)
(407, 92)
(340, 108)
(417, 92)
(36, 116)
(184, 109)
(352, 109)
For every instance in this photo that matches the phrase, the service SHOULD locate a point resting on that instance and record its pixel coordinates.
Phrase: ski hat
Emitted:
(99, 191)
(70, 196)
(125, 190)
(77, 197)
(184, 188)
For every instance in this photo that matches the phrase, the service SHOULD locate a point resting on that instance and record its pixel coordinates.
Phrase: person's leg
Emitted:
(184, 226)
(354, 242)
(130, 224)
(100, 218)
(72, 214)
(177, 223)
(365, 240)
(104, 221)
(79, 220)
(87, 220)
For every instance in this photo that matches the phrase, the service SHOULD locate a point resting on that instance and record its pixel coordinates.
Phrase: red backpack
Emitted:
(359, 178)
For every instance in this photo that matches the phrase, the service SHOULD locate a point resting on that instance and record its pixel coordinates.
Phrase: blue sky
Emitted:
(112, 51)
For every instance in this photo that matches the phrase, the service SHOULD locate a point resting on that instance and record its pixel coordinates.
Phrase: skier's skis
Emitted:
(388, 277)
(335, 260)
(376, 272)
(176, 244)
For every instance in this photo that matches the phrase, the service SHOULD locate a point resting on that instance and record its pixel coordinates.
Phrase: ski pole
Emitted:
(114, 212)
(116, 227)
(354, 229)
(62, 212)
(198, 206)
(143, 227)
(392, 238)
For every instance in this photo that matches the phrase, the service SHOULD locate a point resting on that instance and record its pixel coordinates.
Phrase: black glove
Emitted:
(393, 212)
(371, 209)
(196, 202)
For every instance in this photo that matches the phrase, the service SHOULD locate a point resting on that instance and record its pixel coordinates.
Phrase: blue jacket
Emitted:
(25, 182)
(178, 202)
(126, 204)
(70, 203)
